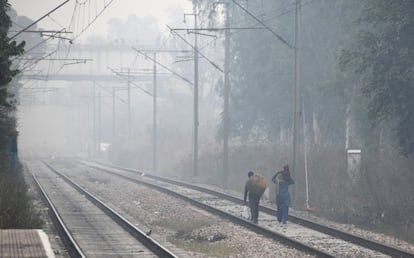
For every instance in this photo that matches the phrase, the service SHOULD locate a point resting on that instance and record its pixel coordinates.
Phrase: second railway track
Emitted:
(330, 240)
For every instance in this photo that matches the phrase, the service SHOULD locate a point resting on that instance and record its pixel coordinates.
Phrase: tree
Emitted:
(16, 210)
(262, 69)
(8, 49)
(382, 55)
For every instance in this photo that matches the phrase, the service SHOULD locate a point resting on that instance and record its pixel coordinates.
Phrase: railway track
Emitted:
(329, 240)
(95, 176)
(89, 227)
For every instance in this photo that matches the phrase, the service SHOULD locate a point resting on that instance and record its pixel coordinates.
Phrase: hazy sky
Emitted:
(165, 11)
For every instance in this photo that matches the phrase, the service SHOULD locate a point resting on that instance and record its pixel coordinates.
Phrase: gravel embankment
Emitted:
(174, 221)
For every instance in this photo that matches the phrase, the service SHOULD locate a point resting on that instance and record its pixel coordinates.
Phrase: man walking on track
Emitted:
(254, 188)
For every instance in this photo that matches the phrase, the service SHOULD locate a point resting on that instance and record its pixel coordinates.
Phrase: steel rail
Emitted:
(235, 219)
(69, 242)
(140, 235)
(364, 242)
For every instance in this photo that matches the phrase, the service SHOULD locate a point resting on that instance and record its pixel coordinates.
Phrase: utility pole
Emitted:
(296, 93)
(129, 103)
(195, 157)
(195, 106)
(94, 121)
(113, 117)
(227, 28)
(114, 97)
(99, 125)
(154, 95)
(226, 98)
(154, 117)
(305, 151)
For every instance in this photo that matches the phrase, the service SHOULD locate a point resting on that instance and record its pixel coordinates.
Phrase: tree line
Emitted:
(16, 207)
(356, 91)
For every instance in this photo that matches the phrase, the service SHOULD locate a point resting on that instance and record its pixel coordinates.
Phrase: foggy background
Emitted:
(69, 117)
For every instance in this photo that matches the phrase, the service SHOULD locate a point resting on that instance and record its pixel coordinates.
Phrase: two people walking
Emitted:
(255, 187)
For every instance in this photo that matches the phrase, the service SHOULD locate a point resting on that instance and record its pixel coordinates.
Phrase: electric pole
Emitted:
(195, 157)
(195, 105)
(154, 121)
(99, 125)
(113, 117)
(94, 120)
(154, 94)
(296, 92)
(226, 98)
(129, 103)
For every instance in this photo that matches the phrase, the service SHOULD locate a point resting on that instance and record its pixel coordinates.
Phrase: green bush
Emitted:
(16, 207)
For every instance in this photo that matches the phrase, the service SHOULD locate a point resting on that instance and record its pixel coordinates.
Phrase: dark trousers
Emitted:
(282, 210)
(254, 200)
(282, 213)
(279, 214)
(279, 210)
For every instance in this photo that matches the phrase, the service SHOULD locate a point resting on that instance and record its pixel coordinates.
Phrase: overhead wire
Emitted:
(36, 61)
(41, 43)
(163, 66)
(81, 29)
(265, 20)
(78, 17)
(257, 20)
(303, 4)
(78, 22)
(41, 18)
(56, 22)
(279, 37)
(162, 45)
(34, 47)
(123, 77)
(83, 23)
(200, 53)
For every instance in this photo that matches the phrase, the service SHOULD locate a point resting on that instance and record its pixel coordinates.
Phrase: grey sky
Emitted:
(162, 10)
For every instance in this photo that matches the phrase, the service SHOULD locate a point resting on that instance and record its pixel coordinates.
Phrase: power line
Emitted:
(219, 29)
(90, 22)
(59, 59)
(163, 66)
(39, 59)
(266, 20)
(41, 31)
(263, 24)
(128, 80)
(41, 18)
(34, 47)
(201, 54)
(283, 13)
